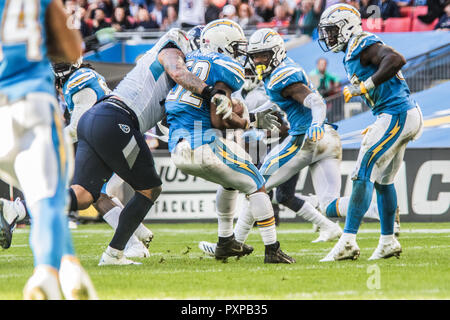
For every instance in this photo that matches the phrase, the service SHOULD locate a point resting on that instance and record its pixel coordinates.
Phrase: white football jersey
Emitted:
(146, 86)
(255, 98)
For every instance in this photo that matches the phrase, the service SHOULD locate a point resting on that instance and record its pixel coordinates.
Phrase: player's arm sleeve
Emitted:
(82, 101)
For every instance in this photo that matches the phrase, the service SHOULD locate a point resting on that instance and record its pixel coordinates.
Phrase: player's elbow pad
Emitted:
(314, 101)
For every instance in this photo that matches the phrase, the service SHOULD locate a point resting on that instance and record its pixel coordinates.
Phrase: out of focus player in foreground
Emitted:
(197, 147)
(33, 153)
(373, 69)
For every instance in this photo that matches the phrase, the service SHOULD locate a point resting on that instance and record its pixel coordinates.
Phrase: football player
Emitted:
(81, 86)
(198, 149)
(374, 71)
(311, 141)
(110, 135)
(33, 153)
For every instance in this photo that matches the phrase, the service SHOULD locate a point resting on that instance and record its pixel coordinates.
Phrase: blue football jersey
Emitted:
(287, 73)
(188, 115)
(81, 79)
(24, 66)
(392, 96)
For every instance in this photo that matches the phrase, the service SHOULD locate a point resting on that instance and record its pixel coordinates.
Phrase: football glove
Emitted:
(219, 98)
(223, 105)
(315, 132)
(357, 89)
(266, 120)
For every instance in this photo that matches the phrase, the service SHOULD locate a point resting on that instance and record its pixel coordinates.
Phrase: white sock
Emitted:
(384, 239)
(224, 225)
(348, 237)
(244, 223)
(112, 217)
(262, 211)
(225, 207)
(311, 214)
(371, 213)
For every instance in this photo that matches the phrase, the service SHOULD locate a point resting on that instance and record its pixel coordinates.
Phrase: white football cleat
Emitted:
(43, 285)
(114, 257)
(136, 250)
(208, 247)
(387, 250)
(74, 280)
(146, 241)
(329, 234)
(343, 250)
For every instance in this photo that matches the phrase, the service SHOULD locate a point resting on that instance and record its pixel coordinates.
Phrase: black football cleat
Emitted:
(231, 248)
(6, 229)
(274, 254)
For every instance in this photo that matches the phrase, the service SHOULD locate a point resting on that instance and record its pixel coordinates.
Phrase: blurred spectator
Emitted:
(133, 8)
(99, 22)
(212, 11)
(145, 20)
(107, 7)
(229, 12)
(120, 21)
(389, 9)
(281, 17)
(246, 18)
(444, 21)
(159, 11)
(307, 16)
(171, 21)
(264, 9)
(326, 83)
(366, 10)
(435, 10)
(191, 13)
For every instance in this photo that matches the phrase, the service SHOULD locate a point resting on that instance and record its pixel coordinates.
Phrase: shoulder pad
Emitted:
(179, 38)
(286, 76)
(359, 43)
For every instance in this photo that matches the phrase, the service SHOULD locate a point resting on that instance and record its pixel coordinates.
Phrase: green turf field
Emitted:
(177, 269)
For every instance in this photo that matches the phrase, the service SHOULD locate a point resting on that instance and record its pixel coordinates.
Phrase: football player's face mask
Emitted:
(261, 61)
(328, 37)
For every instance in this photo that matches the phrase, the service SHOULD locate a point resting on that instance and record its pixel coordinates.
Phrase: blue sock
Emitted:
(332, 209)
(387, 205)
(359, 203)
(48, 231)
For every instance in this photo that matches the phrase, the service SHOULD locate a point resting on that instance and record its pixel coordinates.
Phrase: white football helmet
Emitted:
(268, 41)
(223, 36)
(337, 25)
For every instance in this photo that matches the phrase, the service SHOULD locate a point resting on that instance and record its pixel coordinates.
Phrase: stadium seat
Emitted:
(406, 11)
(372, 25)
(418, 25)
(397, 24)
(419, 11)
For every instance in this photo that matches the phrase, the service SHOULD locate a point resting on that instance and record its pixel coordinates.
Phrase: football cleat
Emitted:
(329, 234)
(207, 247)
(146, 241)
(397, 223)
(136, 250)
(343, 250)
(387, 250)
(115, 257)
(6, 229)
(74, 280)
(43, 285)
(273, 254)
(231, 248)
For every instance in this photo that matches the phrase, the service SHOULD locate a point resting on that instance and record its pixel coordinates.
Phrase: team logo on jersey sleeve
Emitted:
(124, 128)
